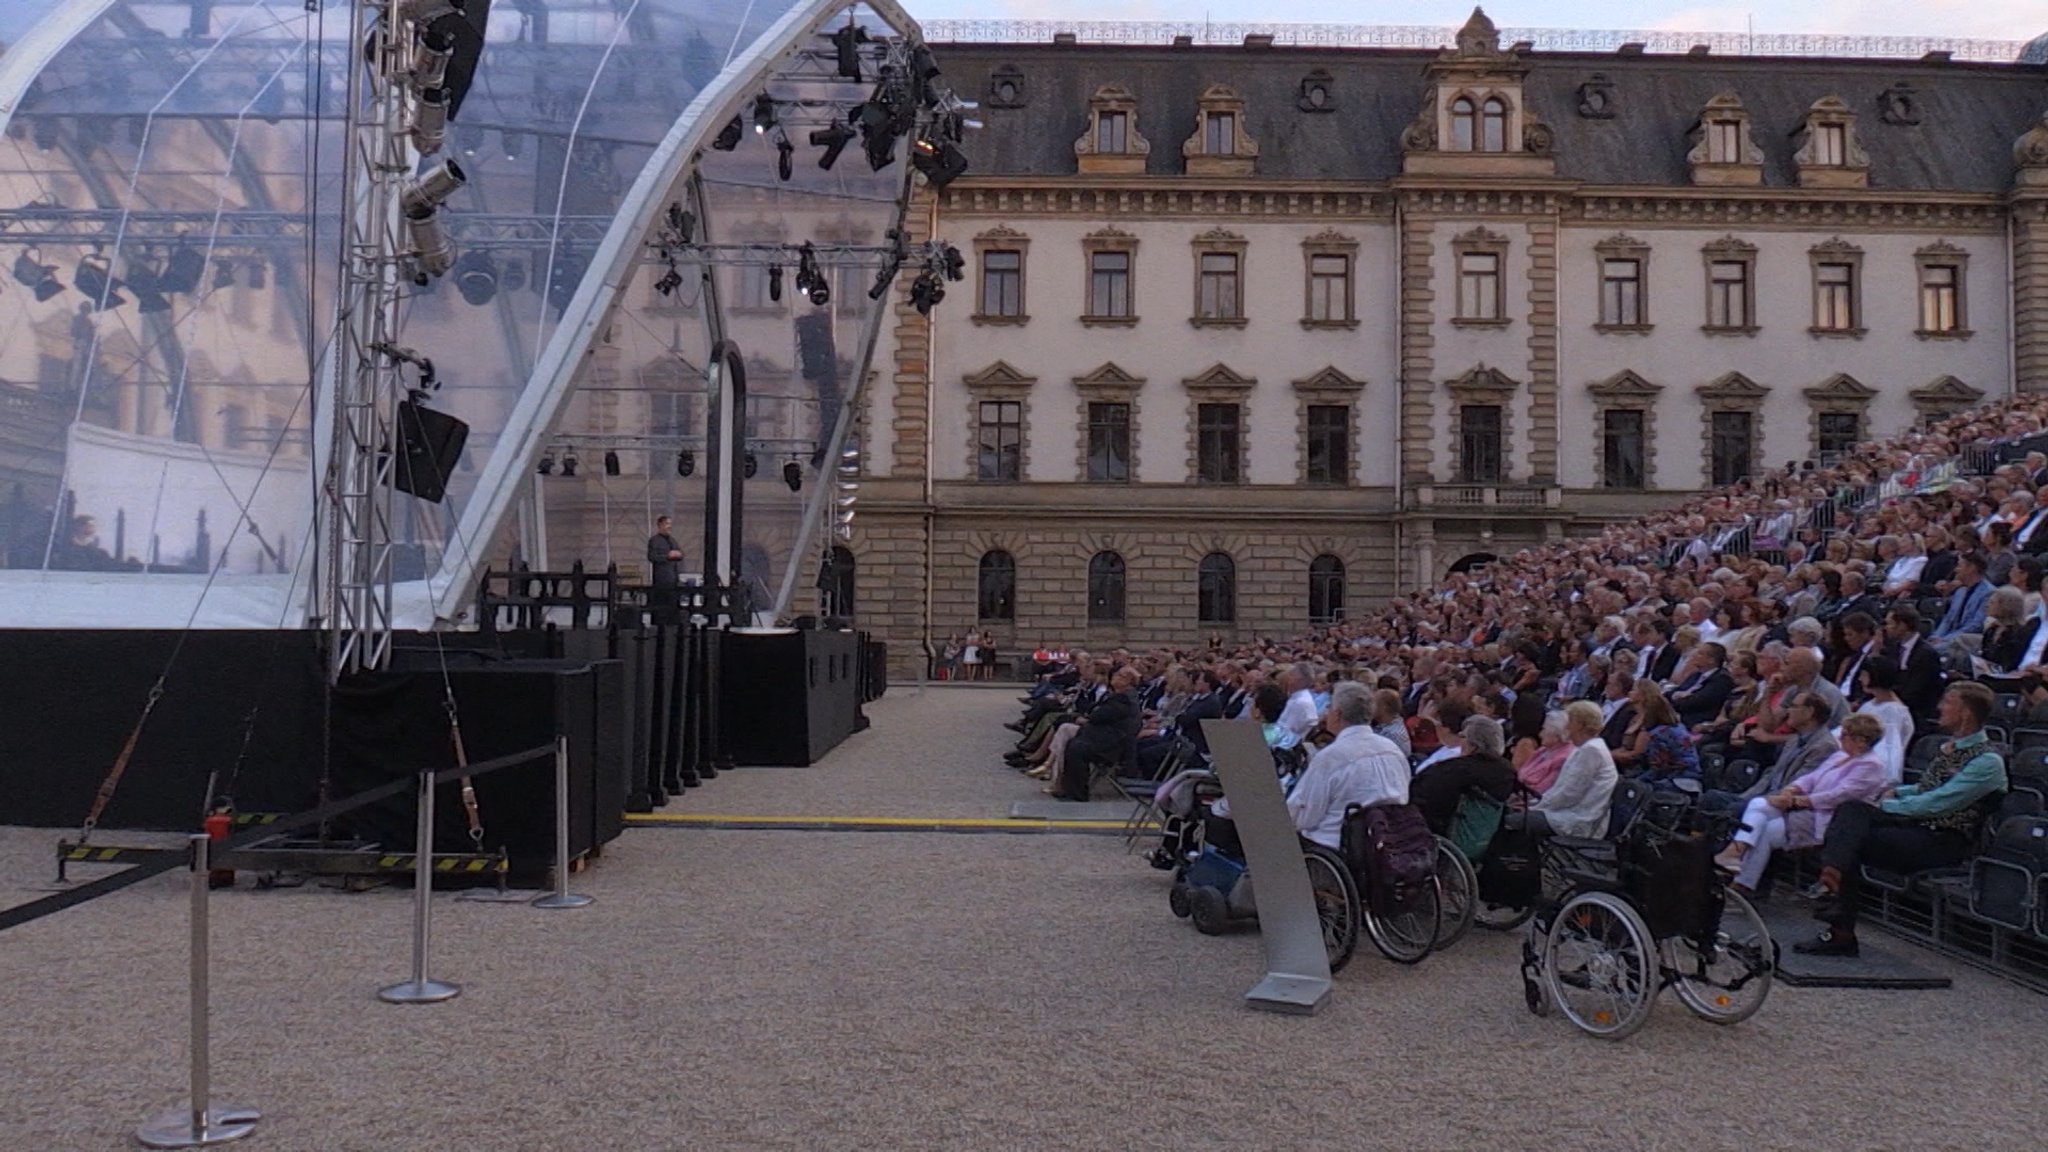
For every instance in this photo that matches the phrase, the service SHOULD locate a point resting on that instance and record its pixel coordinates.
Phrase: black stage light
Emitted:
(846, 43)
(569, 463)
(751, 465)
(941, 161)
(611, 463)
(923, 64)
(793, 475)
(821, 294)
(833, 139)
(182, 271)
(785, 156)
(775, 283)
(31, 272)
(668, 284)
(883, 279)
(729, 136)
(686, 463)
(547, 464)
(223, 275)
(476, 277)
(95, 278)
(955, 264)
(764, 114)
(926, 292)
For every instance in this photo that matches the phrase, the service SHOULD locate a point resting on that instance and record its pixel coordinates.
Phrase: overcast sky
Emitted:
(1973, 19)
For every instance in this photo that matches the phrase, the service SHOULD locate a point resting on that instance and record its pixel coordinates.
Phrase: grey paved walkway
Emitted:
(743, 990)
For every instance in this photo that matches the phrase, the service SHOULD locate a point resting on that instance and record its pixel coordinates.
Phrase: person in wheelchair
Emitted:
(1478, 765)
(1359, 767)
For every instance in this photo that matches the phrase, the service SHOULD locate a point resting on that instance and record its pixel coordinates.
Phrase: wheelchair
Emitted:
(1660, 917)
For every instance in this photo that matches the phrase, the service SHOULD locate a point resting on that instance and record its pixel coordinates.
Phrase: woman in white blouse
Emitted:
(1878, 677)
(1577, 803)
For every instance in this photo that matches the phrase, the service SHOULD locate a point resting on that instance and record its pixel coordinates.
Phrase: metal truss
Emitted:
(1152, 32)
(38, 226)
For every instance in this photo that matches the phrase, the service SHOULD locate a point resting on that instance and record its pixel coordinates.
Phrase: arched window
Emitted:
(839, 583)
(1325, 590)
(997, 586)
(1106, 588)
(1464, 124)
(1217, 589)
(1493, 125)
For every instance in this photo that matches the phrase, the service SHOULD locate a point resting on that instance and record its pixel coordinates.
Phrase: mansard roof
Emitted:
(1968, 114)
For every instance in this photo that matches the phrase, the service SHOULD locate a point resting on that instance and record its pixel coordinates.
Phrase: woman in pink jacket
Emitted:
(1797, 816)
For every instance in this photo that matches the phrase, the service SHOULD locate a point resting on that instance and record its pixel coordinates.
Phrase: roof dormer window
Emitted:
(1220, 144)
(1830, 156)
(1112, 143)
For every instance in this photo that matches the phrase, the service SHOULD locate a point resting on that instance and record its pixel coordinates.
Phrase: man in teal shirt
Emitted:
(1930, 824)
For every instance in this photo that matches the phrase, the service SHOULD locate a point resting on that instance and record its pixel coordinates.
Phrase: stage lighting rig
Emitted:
(432, 51)
(833, 138)
(95, 278)
(846, 44)
(729, 136)
(764, 114)
(809, 279)
(926, 292)
(775, 283)
(785, 156)
(547, 463)
(569, 463)
(686, 463)
(430, 121)
(941, 161)
(793, 475)
(669, 282)
(611, 463)
(31, 272)
(433, 253)
(476, 277)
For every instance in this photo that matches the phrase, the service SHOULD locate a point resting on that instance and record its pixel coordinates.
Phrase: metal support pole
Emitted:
(561, 897)
(199, 1124)
(419, 989)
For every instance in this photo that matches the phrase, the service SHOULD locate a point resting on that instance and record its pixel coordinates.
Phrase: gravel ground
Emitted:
(735, 989)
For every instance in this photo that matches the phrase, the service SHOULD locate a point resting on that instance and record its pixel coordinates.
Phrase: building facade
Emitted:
(1252, 337)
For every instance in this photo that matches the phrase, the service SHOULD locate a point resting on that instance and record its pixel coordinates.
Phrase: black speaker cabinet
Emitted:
(788, 698)
(429, 446)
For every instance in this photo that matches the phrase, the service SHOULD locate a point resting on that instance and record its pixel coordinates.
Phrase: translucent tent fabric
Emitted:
(170, 212)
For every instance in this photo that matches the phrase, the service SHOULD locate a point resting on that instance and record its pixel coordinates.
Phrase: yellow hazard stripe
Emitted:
(704, 819)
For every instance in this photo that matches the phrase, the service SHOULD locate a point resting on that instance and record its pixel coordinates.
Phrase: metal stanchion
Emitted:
(561, 897)
(200, 1124)
(419, 989)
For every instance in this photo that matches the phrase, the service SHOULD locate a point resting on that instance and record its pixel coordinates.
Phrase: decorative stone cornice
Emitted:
(1733, 389)
(1625, 385)
(1222, 380)
(1111, 377)
(1789, 209)
(1841, 389)
(1483, 384)
(1166, 196)
(998, 377)
(1330, 383)
(1944, 395)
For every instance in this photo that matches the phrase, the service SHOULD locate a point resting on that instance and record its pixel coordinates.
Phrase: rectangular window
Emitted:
(1621, 448)
(1000, 454)
(1728, 294)
(1838, 432)
(1479, 446)
(1724, 142)
(1732, 447)
(1831, 144)
(1109, 284)
(1479, 296)
(1112, 129)
(1219, 134)
(1217, 431)
(1834, 297)
(1109, 443)
(1621, 293)
(1329, 289)
(1941, 302)
(1002, 282)
(1218, 298)
(1329, 444)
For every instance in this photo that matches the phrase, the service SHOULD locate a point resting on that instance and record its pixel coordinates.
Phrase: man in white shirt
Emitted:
(1359, 767)
(1300, 714)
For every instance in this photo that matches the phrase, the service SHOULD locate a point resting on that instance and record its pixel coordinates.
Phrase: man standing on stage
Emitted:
(666, 559)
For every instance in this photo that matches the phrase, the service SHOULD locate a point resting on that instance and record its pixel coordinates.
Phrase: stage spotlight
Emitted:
(95, 278)
(430, 121)
(793, 475)
(182, 271)
(751, 466)
(144, 281)
(926, 292)
(954, 263)
(846, 43)
(431, 54)
(513, 276)
(923, 64)
(432, 251)
(611, 463)
(686, 463)
(877, 134)
(785, 156)
(432, 189)
(883, 279)
(941, 161)
(476, 277)
(31, 272)
(764, 114)
(547, 464)
(729, 136)
(569, 463)
(775, 283)
(833, 139)
(668, 284)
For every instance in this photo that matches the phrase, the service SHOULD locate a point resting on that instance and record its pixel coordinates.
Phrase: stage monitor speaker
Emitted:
(430, 443)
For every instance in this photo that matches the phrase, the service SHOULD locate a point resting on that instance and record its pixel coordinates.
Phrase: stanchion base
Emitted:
(173, 1129)
(419, 992)
(562, 900)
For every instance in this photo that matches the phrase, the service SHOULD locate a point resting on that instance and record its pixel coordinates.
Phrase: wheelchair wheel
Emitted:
(1601, 965)
(1406, 936)
(1460, 893)
(1208, 909)
(1336, 897)
(1725, 980)
(1177, 899)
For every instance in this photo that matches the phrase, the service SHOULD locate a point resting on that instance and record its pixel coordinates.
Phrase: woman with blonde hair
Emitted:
(1797, 815)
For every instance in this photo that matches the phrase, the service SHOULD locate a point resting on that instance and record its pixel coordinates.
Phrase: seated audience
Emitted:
(1797, 815)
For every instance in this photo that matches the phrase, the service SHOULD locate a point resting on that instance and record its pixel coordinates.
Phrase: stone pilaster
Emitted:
(911, 340)
(2030, 290)
(1543, 349)
(1418, 349)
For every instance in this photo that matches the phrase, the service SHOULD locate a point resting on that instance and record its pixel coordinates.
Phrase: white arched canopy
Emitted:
(170, 215)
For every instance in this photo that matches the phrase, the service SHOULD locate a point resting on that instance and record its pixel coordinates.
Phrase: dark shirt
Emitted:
(666, 570)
